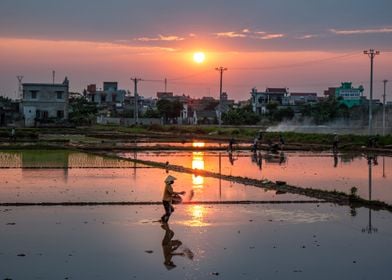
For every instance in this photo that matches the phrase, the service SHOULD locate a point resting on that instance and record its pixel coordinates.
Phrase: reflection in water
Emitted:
(173, 248)
(372, 160)
(57, 159)
(232, 158)
(198, 163)
(335, 159)
(257, 158)
(383, 168)
(198, 144)
(197, 214)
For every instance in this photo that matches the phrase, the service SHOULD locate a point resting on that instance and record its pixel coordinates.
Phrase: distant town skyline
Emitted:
(303, 45)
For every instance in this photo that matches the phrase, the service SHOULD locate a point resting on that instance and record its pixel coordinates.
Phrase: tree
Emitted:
(151, 113)
(326, 111)
(82, 112)
(169, 109)
(239, 116)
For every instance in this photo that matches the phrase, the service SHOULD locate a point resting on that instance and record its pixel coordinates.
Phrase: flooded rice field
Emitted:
(370, 174)
(237, 241)
(201, 242)
(62, 176)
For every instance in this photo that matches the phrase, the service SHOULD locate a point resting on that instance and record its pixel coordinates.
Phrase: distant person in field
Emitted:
(168, 195)
(281, 140)
(13, 134)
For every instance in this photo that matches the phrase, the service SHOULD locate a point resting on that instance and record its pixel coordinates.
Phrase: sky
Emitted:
(304, 45)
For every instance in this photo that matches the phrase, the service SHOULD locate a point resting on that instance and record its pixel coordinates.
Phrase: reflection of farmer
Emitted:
(169, 247)
(255, 145)
(231, 144)
(260, 161)
(231, 158)
(335, 142)
(168, 198)
(335, 159)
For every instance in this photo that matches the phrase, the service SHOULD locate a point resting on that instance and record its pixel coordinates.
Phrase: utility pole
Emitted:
(383, 107)
(165, 85)
(20, 88)
(136, 107)
(371, 53)
(221, 70)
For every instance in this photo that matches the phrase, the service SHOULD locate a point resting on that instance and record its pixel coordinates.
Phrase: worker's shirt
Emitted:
(168, 193)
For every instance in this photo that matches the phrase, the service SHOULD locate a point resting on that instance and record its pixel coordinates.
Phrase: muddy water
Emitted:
(62, 176)
(370, 174)
(209, 242)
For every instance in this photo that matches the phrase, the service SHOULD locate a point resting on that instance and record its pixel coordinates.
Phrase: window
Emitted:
(38, 114)
(59, 94)
(34, 94)
(45, 115)
(103, 98)
(60, 114)
(113, 98)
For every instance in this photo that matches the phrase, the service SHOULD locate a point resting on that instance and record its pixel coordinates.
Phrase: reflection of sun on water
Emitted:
(198, 144)
(197, 181)
(197, 213)
(198, 163)
(198, 160)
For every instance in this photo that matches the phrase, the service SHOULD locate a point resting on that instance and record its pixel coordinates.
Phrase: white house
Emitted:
(45, 102)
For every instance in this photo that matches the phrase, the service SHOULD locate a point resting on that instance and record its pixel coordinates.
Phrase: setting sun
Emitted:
(199, 57)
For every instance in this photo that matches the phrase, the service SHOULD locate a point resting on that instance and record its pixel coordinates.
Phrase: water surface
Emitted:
(216, 242)
(325, 170)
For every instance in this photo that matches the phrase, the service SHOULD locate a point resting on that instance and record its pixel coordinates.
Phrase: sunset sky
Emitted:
(304, 45)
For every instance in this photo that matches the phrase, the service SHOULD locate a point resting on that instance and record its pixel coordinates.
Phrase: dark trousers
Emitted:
(169, 209)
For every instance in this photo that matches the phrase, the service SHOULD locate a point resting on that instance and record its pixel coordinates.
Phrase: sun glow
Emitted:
(199, 57)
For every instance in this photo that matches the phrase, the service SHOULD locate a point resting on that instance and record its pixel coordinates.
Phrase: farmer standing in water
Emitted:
(167, 200)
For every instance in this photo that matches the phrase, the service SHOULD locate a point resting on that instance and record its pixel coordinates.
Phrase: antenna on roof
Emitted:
(53, 75)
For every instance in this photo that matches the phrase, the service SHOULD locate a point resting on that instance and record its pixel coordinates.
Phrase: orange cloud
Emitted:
(361, 31)
(160, 38)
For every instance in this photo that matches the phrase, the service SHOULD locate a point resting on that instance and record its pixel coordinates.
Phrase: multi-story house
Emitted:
(260, 99)
(42, 103)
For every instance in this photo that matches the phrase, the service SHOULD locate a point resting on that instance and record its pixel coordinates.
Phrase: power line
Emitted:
(190, 76)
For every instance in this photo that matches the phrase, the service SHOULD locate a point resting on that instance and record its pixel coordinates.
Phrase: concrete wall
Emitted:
(127, 121)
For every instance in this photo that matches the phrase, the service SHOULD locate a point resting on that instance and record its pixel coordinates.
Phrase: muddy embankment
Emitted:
(140, 138)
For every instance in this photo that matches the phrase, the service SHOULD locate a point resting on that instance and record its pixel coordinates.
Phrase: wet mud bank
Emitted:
(132, 146)
(139, 203)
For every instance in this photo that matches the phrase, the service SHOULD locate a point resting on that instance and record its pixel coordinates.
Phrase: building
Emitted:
(110, 95)
(260, 100)
(348, 95)
(301, 98)
(45, 103)
(330, 92)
